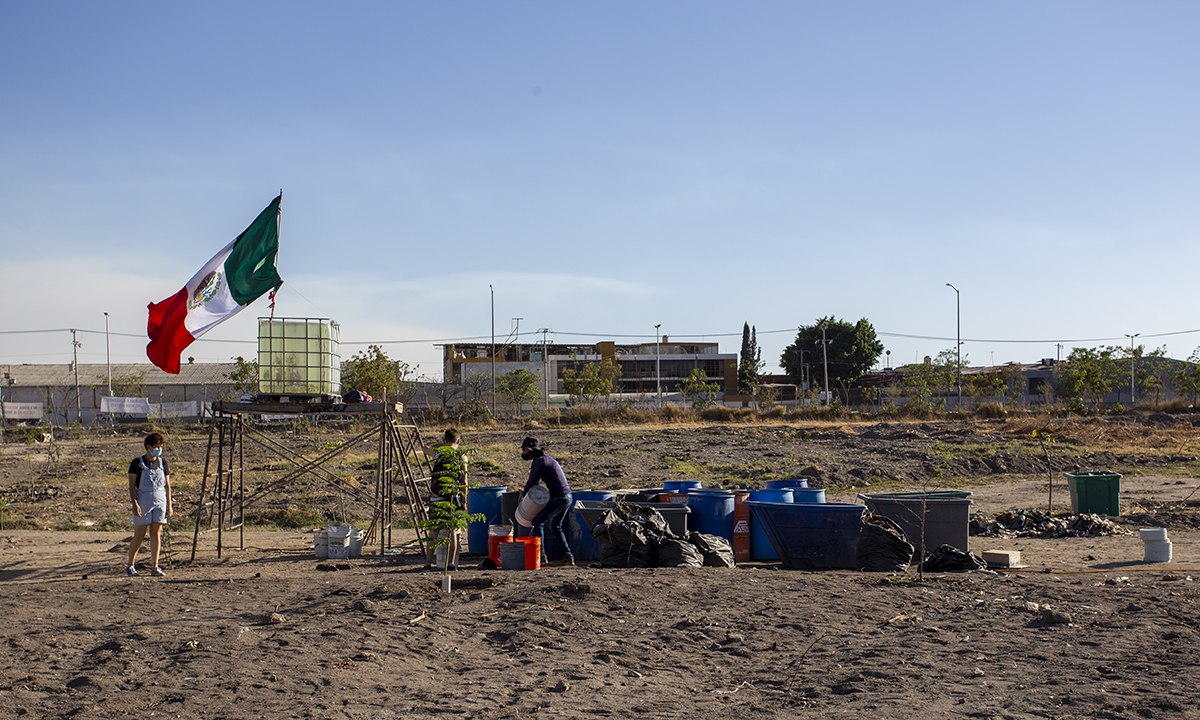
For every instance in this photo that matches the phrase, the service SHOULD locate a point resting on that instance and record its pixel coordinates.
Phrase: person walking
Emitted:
(150, 496)
(548, 524)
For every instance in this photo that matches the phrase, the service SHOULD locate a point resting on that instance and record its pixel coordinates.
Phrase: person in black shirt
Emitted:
(546, 470)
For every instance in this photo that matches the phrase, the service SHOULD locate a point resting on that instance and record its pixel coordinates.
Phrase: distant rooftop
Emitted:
(61, 374)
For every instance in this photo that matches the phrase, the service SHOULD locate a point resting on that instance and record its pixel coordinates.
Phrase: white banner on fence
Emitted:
(24, 411)
(191, 408)
(139, 407)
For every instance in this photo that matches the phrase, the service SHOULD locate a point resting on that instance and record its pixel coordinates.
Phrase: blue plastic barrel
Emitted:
(681, 485)
(789, 483)
(579, 534)
(486, 501)
(712, 511)
(808, 495)
(760, 544)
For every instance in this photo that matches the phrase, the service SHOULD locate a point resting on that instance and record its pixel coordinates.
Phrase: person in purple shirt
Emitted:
(546, 470)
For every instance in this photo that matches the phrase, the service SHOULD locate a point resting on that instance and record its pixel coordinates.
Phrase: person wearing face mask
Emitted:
(548, 524)
(150, 495)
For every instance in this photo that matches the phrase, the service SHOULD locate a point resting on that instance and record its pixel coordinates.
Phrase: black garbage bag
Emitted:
(623, 541)
(716, 550)
(948, 558)
(882, 546)
(651, 520)
(673, 552)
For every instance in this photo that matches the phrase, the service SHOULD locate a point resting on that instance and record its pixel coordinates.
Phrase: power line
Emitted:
(567, 333)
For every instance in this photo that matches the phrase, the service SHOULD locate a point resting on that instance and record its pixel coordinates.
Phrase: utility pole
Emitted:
(75, 365)
(493, 292)
(657, 365)
(107, 355)
(958, 338)
(1132, 397)
(545, 371)
(825, 356)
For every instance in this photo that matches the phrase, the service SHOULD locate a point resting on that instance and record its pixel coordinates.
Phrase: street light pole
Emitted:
(107, 355)
(657, 365)
(1132, 397)
(545, 371)
(958, 339)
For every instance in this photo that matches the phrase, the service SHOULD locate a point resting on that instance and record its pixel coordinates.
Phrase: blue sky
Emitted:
(606, 167)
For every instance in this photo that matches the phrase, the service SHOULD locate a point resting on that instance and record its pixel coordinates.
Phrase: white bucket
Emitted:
(339, 541)
(439, 556)
(532, 504)
(1158, 551)
(1152, 534)
(321, 543)
(356, 542)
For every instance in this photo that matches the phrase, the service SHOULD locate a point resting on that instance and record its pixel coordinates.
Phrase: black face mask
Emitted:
(525, 454)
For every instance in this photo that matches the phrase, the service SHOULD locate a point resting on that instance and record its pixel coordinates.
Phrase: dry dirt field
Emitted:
(379, 639)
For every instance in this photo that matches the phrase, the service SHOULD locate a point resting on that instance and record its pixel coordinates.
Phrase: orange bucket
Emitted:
(741, 527)
(533, 552)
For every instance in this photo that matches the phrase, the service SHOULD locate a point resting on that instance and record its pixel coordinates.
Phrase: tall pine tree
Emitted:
(749, 361)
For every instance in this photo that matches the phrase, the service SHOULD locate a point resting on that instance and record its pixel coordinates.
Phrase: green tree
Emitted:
(593, 381)
(699, 390)
(749, 361)
(373, 372)
(1088, 374)
(244, 375)
(519, 387)
(917, 387)
(129, 385)
(1187, 377)
(852, 350)
(447, 516)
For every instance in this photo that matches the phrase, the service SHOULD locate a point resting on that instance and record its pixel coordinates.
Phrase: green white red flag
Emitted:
(235, 277)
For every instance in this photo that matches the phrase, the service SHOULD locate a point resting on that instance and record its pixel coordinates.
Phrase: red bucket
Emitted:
(496, 535)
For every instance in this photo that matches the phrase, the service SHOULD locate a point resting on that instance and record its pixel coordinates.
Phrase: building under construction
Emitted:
(643, 366)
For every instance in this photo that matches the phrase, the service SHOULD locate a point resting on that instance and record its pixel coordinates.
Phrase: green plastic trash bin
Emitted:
(1095, 492)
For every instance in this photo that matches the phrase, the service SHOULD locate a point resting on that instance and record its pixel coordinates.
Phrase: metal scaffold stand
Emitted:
(401, 473)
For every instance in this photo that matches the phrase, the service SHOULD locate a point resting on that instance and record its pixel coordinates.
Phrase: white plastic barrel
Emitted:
(532, 504)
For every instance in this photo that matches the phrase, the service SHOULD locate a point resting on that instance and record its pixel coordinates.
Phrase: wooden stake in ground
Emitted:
(1049, 475)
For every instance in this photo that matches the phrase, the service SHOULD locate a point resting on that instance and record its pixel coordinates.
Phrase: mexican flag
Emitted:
(234, 278)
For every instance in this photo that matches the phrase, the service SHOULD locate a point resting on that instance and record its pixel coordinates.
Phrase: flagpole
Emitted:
(279, 232)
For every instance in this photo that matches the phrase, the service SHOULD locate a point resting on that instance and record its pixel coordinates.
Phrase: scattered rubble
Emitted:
(1034, 523)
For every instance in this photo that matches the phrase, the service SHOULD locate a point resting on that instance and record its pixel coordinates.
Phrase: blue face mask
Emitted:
(155, 452)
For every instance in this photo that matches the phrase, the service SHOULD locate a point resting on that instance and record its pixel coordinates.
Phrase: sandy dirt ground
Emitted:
(379, 639)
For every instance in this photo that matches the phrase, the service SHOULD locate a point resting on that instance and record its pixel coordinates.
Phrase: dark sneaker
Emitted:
(131, 571)
(157, 572)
